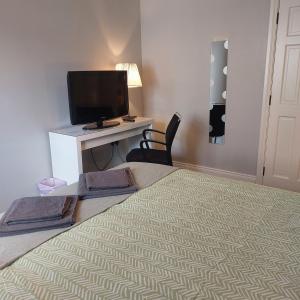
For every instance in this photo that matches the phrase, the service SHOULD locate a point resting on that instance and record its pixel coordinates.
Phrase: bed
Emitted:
(184, 235)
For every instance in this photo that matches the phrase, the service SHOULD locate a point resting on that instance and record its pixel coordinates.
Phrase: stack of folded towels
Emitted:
(106, 183)
(38, 213)
(42, 213)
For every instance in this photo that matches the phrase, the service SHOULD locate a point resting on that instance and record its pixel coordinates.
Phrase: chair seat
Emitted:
(148, 155)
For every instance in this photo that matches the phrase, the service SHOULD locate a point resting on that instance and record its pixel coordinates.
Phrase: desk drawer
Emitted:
(112, 138)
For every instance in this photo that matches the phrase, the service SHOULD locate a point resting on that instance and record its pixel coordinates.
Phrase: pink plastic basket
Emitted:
(48, 185)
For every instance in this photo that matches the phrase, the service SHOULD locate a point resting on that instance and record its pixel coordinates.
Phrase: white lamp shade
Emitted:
(133, 75)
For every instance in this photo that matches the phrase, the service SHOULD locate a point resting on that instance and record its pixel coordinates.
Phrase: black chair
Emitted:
(164, 157)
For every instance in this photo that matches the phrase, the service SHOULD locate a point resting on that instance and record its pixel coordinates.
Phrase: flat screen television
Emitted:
(95, 96)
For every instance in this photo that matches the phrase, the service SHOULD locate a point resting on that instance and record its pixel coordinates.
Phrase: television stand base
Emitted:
(101, 125)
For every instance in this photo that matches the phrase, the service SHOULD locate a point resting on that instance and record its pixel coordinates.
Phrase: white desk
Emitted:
(67, 144)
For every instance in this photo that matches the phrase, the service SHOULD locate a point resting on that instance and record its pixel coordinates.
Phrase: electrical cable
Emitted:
(119, 154)
(108, 162)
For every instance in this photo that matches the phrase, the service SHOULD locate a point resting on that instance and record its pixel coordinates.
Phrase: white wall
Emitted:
(176, 41)
(40, 40)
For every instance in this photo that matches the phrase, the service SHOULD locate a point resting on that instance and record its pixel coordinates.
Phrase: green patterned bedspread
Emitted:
(188, 236)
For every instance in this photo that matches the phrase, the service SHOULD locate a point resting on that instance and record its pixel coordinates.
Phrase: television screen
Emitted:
(95, 95)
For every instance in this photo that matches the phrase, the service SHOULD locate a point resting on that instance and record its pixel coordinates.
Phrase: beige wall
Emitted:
(176, 38)
(40, 40)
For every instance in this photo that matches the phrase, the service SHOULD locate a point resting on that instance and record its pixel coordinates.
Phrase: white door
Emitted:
(282, 160)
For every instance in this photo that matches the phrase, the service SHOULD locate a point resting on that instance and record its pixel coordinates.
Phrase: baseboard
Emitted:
(217, 172)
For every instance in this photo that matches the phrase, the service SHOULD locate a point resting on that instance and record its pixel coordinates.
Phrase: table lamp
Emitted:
(133, 80)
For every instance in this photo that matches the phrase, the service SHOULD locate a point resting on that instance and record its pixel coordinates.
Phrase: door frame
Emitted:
(267, 91)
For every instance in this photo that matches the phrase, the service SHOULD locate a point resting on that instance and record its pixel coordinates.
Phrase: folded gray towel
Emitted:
(110, 179)
(67, 220)
(36, 209)
(85, 193)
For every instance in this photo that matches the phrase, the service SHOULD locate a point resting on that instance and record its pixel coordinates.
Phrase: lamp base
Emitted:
(129, 118)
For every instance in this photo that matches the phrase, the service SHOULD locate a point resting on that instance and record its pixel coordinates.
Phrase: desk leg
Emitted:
(66, 157)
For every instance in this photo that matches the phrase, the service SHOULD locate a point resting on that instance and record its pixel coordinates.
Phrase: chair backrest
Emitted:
(171, 131)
